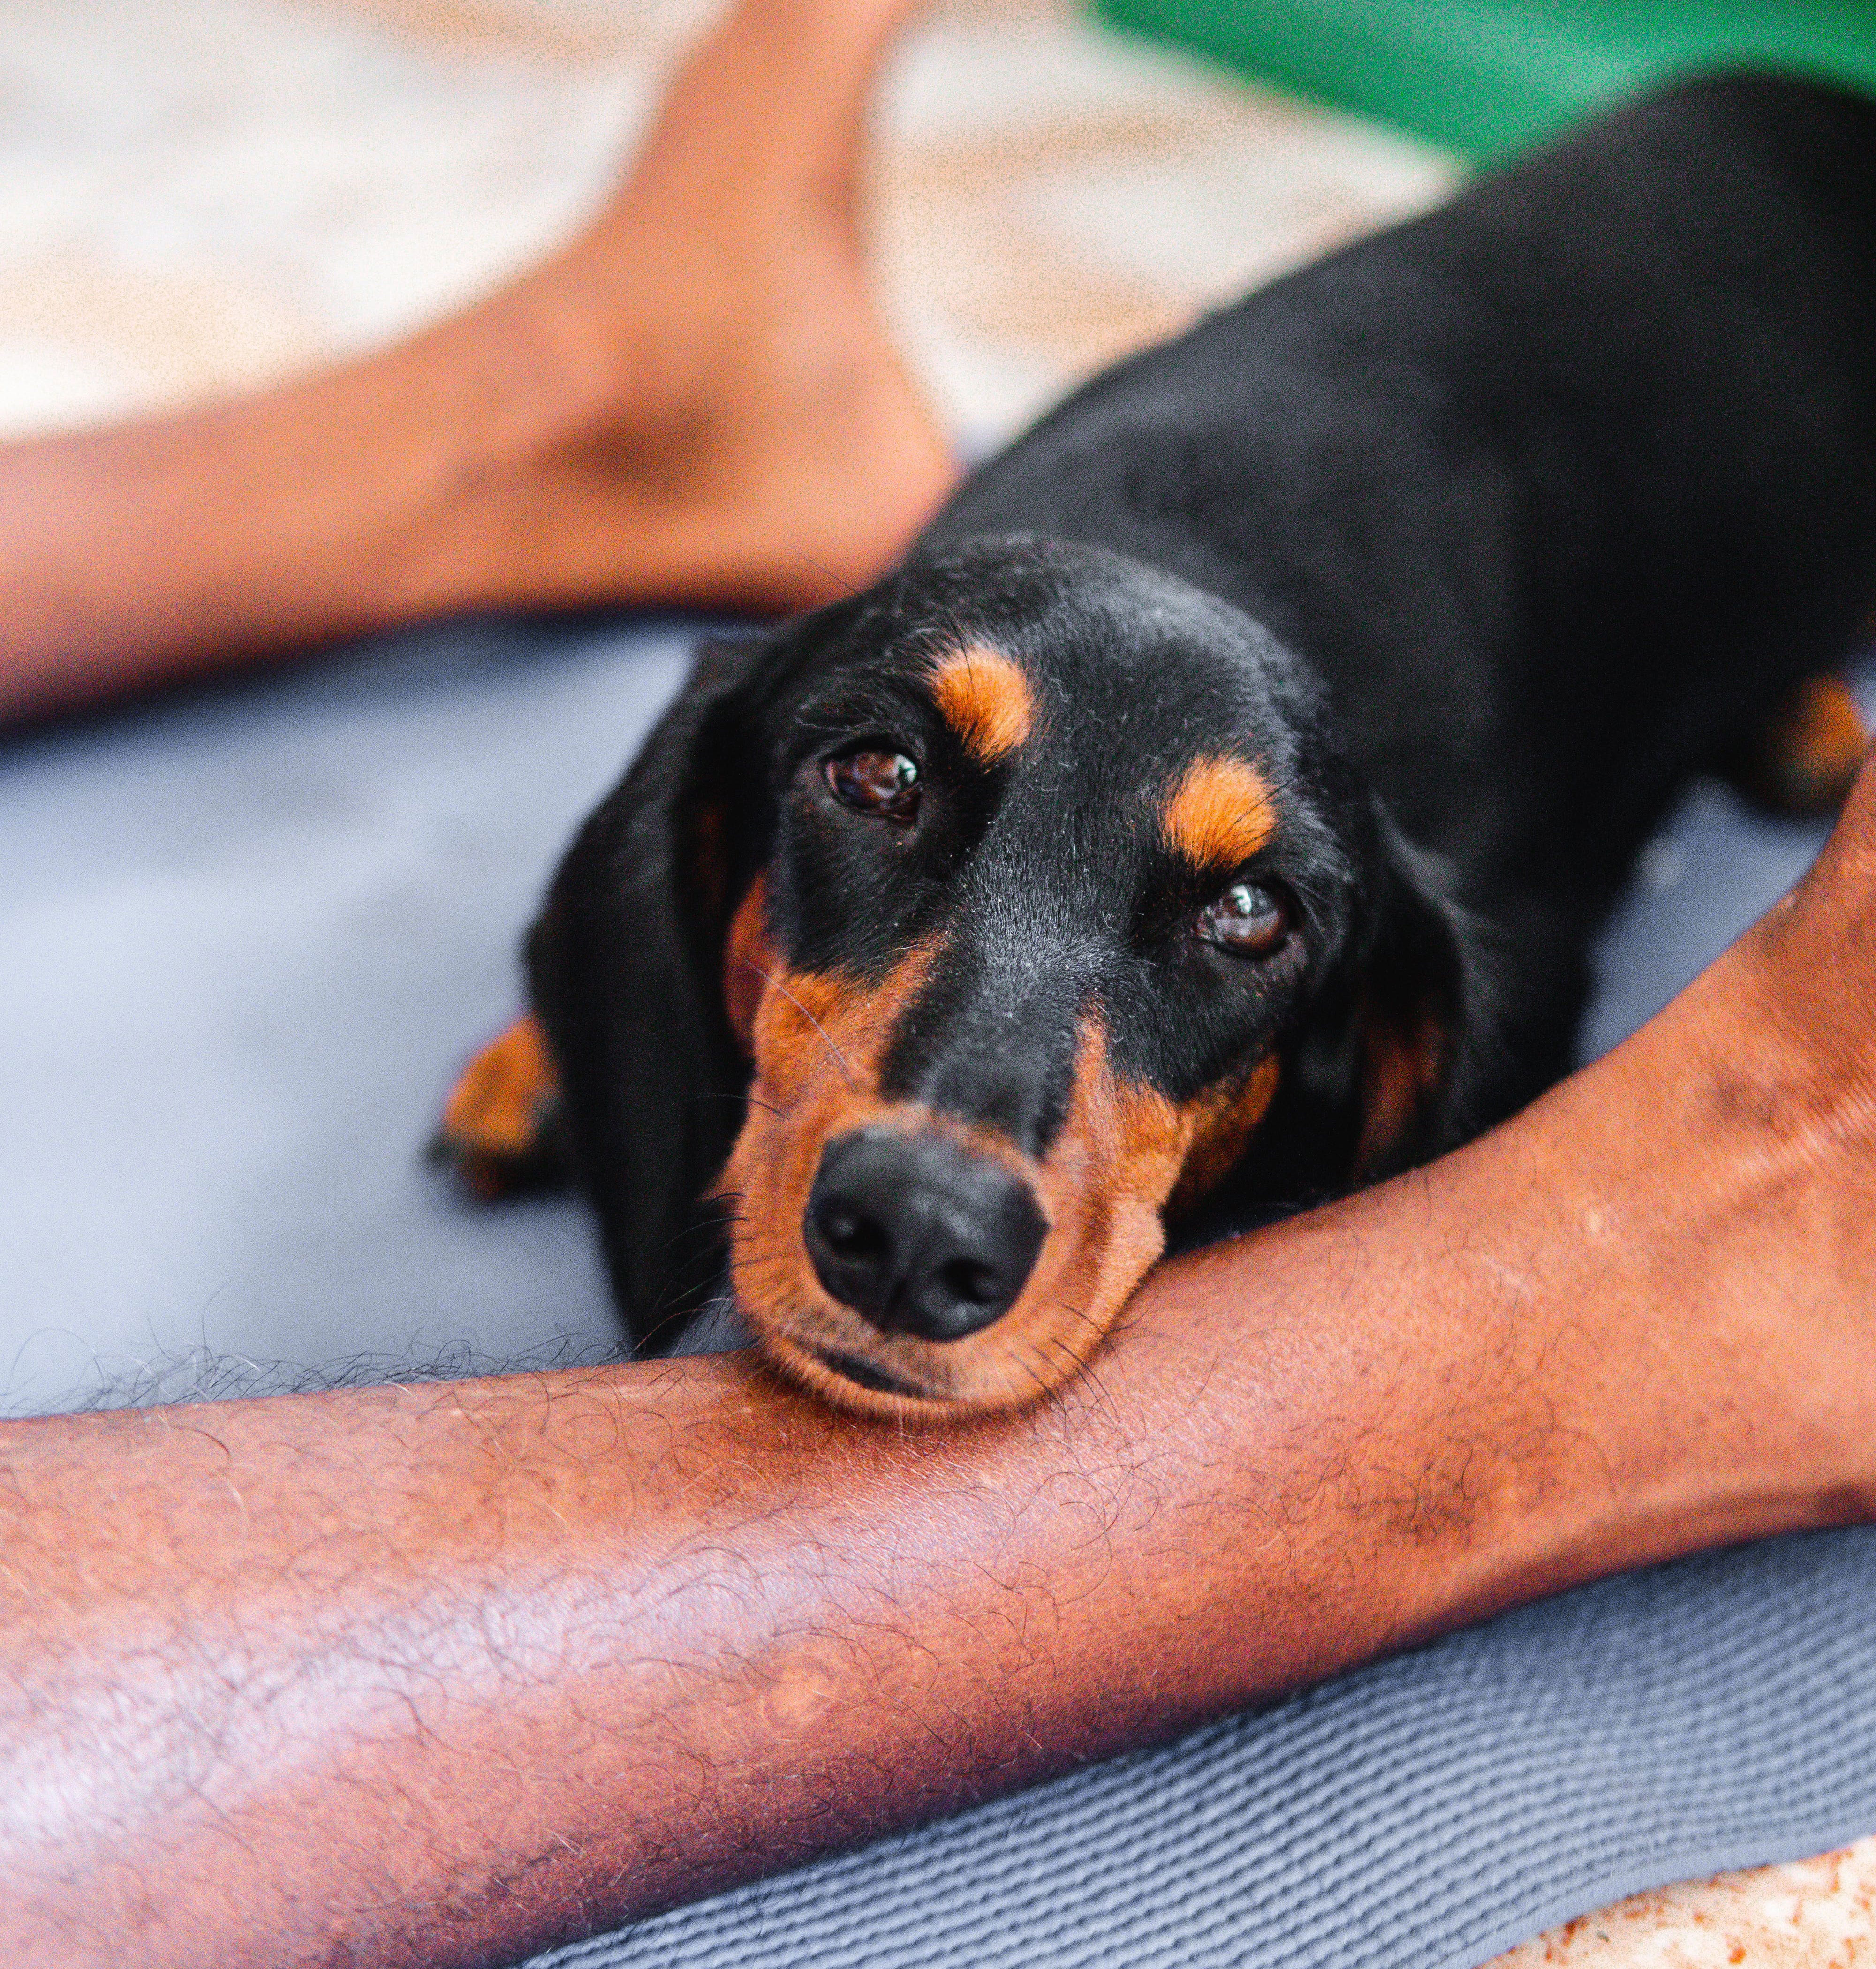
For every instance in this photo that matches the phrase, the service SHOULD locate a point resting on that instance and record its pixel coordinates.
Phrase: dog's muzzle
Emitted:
(919, 1235)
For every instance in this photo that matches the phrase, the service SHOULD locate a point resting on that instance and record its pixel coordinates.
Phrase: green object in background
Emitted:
(1485, 77)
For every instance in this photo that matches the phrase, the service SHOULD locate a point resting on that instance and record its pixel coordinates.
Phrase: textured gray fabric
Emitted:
(244, 940)
(1425, 1812)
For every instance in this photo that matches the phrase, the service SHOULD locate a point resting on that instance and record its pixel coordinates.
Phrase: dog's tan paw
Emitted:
(500, 1126)
(1802, 761)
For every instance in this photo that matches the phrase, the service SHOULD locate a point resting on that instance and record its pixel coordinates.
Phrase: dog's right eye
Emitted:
(1249, 919)
(874, 781)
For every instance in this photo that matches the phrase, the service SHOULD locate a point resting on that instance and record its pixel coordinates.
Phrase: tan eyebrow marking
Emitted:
(985, 699)
(1220, 813)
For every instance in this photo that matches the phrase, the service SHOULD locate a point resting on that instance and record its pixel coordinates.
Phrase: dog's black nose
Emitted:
(919, 1235)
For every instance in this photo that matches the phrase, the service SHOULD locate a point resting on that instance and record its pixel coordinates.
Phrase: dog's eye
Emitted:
(875, 782)
(1248, 921)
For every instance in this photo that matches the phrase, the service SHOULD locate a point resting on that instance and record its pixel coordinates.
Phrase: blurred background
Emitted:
(202, 197)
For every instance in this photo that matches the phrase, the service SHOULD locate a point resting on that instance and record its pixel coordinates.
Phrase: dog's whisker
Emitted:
(769, 978)
(1086, 1370)
(1076, 1313)
(1043, 1383)
(820, 567)
(687, 1232)
(744, 1100)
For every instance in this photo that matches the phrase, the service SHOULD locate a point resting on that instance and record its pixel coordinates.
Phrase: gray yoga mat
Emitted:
(245, 939)
(1432, 1810)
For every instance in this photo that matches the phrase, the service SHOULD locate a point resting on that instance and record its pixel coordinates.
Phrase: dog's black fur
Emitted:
(1477, 538)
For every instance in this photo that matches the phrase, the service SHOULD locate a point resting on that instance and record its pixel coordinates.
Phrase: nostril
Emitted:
(971, 1283)
(849, 1233)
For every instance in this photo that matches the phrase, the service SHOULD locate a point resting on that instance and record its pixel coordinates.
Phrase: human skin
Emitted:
(693, 401)
(441, 1675)
(444, 1674)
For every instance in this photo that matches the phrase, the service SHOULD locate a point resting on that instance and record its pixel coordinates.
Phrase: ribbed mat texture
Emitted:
(1423, 1813)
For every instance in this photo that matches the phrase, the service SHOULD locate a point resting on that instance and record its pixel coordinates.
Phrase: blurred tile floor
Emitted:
(202, 197)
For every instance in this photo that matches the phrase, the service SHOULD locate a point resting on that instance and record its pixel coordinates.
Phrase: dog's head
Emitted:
(957, 935)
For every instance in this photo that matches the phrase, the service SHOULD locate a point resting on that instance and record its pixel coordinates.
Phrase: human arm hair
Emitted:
(444, 1674)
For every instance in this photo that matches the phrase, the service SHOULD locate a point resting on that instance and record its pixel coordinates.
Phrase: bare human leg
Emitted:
(443, 1675)
(694, 401)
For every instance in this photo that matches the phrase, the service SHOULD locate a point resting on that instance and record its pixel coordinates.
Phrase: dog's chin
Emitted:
(914, 1382)
(860, 1385)
(1059, 1322)
(855, 1378)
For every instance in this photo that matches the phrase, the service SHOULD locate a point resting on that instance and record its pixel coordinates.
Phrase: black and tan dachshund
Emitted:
(1213, 812)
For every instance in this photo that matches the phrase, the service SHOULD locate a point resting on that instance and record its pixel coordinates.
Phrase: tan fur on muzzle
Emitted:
(818, 1042)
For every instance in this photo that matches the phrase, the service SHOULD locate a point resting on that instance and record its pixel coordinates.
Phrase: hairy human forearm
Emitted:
(439, 1674)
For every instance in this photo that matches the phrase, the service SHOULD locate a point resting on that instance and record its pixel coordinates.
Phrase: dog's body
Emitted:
(1556, 490)
(1217, 806)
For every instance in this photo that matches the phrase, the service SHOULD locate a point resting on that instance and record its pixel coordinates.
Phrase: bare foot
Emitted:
(698, 400)
(693, 402)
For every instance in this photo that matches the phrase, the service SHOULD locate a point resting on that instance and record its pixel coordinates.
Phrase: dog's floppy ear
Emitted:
(1423, 1017)
(625, 967)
